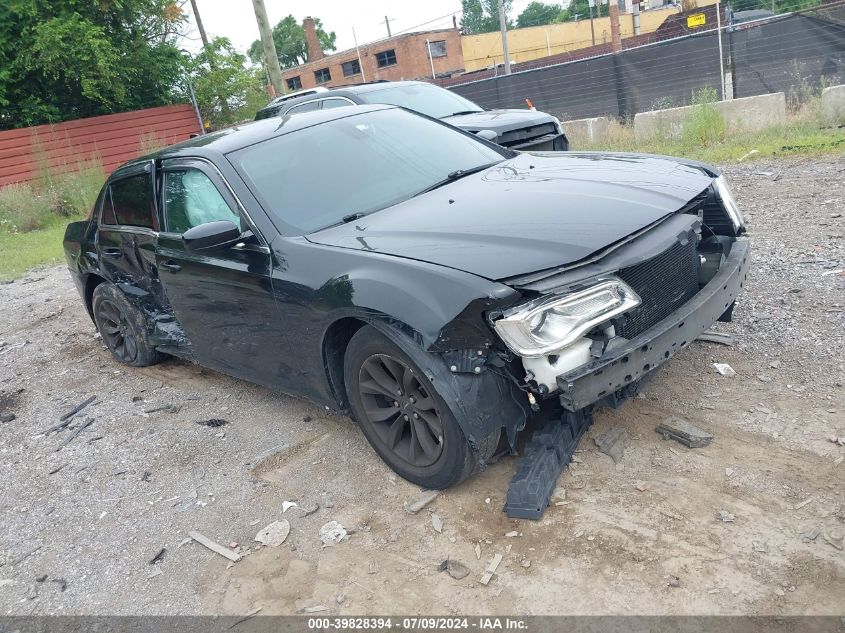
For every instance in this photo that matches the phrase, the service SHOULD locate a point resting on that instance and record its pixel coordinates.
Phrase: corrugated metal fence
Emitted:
(112, 139)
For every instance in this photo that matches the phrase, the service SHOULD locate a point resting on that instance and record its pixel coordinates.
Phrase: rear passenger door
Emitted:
(126, 239)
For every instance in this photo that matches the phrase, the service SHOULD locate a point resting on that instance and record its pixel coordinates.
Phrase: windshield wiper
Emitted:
(346, 219)
(456, 175)
(462, 112)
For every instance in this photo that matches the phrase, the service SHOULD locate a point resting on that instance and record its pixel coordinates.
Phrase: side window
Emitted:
(132, 201)
(191, 199)
(308, 106)
(107, 214)
(335, 103)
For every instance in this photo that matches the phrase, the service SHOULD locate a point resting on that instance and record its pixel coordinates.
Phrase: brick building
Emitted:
(399, 57)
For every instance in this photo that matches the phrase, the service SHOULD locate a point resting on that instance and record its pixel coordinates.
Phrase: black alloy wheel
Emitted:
(123, 327)
(116, 332)
(400, 410)
(407, 421)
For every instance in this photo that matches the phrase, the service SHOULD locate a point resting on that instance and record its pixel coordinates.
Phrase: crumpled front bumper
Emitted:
(622, 366)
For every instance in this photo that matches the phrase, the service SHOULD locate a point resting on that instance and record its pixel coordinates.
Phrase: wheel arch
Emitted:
(92, 280)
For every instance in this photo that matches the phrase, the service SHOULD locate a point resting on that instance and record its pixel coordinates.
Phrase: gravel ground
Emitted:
(80, 523)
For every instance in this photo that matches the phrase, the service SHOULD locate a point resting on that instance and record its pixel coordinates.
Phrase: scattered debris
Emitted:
(724, 369)
(146, 476)
(806, 501)
(760, 546)
(837, 440)
(526, 564)
(426, 497)
(716, 337)
(327, 500)
(670, 514)
(455, 569)
(7, 417)
(640, 486)
(213, 422)
(725, 516)
(332, 533)
(74, 433)
(680, 430)
(673, 581)
(169, 408)
(274, 534)
(833, 272)
(307, 512)
(835, 538)
(61, 582)
(56, 469)
(729, 472)
(437, 523)
(287, 505)
(315, 609)
(491, 569)
(214, 547)
(478, 551)
(748, 155)
(810, 535)
(613, 442)
(77, 408)
(41, 578)
(158, 557)
(512, 534)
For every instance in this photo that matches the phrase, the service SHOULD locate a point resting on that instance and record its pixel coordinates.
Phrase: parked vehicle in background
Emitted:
(436, 286)
(527, 130)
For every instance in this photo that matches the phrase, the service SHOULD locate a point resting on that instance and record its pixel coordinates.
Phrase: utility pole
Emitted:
(503, 26)
(592, 28)
(269, 47)
(387, 22)
(199, 23)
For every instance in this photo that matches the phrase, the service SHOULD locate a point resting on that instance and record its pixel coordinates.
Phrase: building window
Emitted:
(351, 68)
(295, 83)
(438, 48)
(386, 58)
(322, 76)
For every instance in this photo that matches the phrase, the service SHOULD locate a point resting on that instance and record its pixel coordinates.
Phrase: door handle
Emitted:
(112, 252)
(171, 266)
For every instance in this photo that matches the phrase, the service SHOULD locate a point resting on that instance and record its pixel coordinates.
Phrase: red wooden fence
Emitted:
(112, 139)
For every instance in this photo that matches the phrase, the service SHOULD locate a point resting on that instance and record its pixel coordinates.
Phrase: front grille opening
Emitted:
(526, 135)
(664, 282)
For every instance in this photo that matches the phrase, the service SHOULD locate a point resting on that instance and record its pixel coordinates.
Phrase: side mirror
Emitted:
(211, 235)
(487, 135)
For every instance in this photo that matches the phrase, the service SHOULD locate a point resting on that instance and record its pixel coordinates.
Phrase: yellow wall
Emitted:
(482, 51)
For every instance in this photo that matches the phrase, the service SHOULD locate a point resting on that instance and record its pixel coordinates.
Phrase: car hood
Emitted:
(528, 213)
(499, 121)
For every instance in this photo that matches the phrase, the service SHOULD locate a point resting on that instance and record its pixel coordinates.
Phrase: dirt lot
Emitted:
(640, 537)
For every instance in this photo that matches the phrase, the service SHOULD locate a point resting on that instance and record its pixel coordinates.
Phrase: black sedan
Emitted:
(434, 285)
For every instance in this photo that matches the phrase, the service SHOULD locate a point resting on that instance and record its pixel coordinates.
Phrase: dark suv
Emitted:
(515, 129)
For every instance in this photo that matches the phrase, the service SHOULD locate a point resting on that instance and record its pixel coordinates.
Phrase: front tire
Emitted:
(122, 327)
(404, 418)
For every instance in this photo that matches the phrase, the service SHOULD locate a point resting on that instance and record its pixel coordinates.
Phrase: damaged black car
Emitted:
(437, 287)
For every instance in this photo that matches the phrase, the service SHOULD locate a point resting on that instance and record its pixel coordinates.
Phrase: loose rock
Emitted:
(332, 533)
(274, 534)
(612, 442)
(454, 568)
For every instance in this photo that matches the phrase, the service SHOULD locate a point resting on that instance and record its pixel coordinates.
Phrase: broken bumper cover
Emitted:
(622, 366)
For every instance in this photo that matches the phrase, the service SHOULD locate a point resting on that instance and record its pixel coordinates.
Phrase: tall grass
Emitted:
(58, 192)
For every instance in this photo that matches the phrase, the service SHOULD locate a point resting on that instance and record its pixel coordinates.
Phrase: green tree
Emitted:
(291, 46)
(578, 10)
(482, 16)
(227, 90)
(65, 59)
(537, 14)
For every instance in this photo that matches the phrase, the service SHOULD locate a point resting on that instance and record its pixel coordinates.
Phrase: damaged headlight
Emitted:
(540, 328)
(730, 204)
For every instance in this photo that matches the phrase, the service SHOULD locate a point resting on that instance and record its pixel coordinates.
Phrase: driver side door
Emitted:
(222, 297)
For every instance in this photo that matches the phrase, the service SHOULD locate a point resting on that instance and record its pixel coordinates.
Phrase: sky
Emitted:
(235, 19)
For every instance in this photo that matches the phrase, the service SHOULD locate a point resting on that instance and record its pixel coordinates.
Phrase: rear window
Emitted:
(131, 202)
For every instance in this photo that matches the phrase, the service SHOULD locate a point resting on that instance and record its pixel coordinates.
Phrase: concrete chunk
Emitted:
(682, 431)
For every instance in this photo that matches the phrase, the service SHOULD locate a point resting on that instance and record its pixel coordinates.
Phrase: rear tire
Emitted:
(407, 422)
(122, 327)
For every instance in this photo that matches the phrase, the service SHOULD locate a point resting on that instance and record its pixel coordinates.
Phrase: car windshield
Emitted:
(317, 176)
(431, 100)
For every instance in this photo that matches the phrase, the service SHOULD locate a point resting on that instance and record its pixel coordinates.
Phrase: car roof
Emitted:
(240, 136)
(281, 103)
